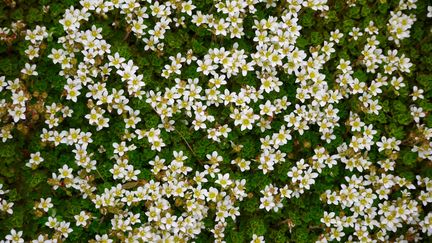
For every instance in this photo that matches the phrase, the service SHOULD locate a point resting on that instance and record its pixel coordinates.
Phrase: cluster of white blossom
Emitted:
(371, 207)
(373, 211)
(399, 24)
(10, 34)
(16, 109)
(5, 206)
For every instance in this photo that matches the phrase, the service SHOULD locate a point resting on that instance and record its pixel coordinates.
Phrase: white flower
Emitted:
(18, 113)
(417, 113)
(65, 172)
(35, 160)
(223, 180)
(81, 218)
(257, 239)
(328, 218)
(64, 229)
(121, 148)
(6, 207)
(267, 203)
(15, 237)
(205, 66)
(45, 204)
(187, 7)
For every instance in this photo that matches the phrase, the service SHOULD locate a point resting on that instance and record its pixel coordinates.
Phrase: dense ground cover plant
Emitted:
(226, 121)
